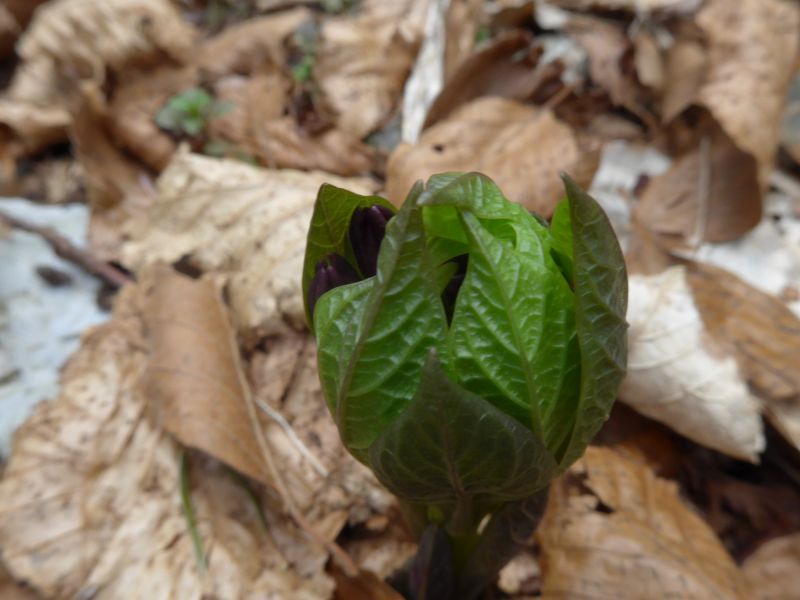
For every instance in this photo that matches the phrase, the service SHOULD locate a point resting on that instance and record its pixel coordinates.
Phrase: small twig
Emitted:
(69, 252)
(293, 437)
(703, 195)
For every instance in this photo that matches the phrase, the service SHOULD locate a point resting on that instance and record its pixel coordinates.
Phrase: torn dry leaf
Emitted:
(678, 377)
(90, 503)
(760, 332)
(521, 147)
(362, 62)
(709, 194)
(773, 571)
(246, 224)
(365, 586)
(194, 377)
(753, 47)
(630, 537)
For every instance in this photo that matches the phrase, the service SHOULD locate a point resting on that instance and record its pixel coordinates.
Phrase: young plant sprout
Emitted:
(468, 353)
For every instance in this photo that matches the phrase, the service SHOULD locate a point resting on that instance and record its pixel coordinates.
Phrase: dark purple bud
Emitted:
(450, 292)
(367, 228)
(331, 272)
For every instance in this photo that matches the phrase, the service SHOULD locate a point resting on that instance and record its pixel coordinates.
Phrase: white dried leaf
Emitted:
(674, 375)
(247, 224)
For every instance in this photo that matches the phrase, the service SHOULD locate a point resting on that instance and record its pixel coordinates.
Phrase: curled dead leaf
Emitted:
(521, 147)
(246, 224)
(500, 68)
(760, 332)
(615, 530)
(676, 376)
(637, 6)
(462, 22)
(194, 378)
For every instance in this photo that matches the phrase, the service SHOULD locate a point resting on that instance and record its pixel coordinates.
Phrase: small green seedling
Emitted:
(188, 112)
(468, 353)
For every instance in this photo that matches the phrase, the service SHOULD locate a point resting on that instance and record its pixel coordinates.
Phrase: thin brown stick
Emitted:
(70, 252)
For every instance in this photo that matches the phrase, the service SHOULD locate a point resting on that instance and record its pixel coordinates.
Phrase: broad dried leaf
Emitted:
(710, 194)
(753, 47)
(89, 501)
(760, 332)
(194, 377)
(11, 590)
(522, 148)
(247, 224)
(773, 571)
(362, 62)
(676, 377)
(631, 537)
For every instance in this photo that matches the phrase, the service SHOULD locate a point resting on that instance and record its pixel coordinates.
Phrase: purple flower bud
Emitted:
(367, 228)
(331, 272)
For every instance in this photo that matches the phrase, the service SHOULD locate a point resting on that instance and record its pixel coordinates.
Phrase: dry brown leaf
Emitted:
(133, 106)
(89, 37)
(630, 538)
(521, 147)
(260, 125)
(249, 46)
(773, 571)
(649, 60)
(499, 68)
(362, 62)
(760, 332)
(678, 377)
(194, 378)
(710, 194)
(245, 223)
(753, 48)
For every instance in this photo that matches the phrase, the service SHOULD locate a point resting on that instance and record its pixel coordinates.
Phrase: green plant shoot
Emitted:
(467, 351)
